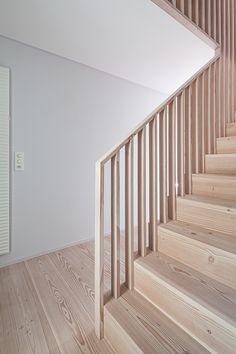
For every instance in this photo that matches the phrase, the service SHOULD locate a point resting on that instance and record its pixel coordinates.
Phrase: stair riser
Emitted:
(115, 334)
(221, 164)
(212, 217)
(218, 187)
(231, 129)
(226, 146)
(211, 261)
(192, 317)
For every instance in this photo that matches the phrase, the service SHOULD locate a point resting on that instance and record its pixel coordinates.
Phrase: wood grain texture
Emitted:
(24, 327)
(203, 307)
(218, 186)
(226, 145)
(212, 213)
(231, 129)
(163, 166)
(142, 234)
(209, 252)
(129, 214)
(47, 303)
(136, 326)
(99, 253)
(221, 164)
(115, 225)
(172, 161)
(153, 197)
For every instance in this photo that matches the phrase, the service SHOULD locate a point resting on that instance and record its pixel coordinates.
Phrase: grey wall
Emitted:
(64, 116)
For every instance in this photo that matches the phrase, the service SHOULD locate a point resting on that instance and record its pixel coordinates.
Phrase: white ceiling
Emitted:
(131, 39)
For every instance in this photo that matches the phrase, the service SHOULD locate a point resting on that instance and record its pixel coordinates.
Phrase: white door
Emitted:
(4, 160)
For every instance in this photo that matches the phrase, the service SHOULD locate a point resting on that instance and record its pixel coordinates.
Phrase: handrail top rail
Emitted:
(109, 154)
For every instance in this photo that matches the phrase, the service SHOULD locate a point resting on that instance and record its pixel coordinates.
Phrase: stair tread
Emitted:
(216, 239)
(148, 327)
(221, 155)
(203, 290)
(215, 175)
(217, 202)
(227, 138)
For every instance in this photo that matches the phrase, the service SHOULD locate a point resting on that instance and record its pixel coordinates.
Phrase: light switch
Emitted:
(19, 161)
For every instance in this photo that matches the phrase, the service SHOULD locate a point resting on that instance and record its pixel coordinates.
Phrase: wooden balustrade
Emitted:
(179, 132)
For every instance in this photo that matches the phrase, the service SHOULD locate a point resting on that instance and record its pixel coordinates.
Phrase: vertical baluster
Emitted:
(188, 146)
(203, 15)
(206, 113)
(204, 117)
(199, 123)
(217, 24)
(223, 97)
(99, 252)
(229, 21)
(213, 111)
(194, 127)
(163, 167)
(153, 184)
(142, 244)
(115, 226)
(209, 115)
(172, 161)
(227, 116)
(194, 11)
(190, 10)
(180, 143)
(180, 5)
(217, 99)
(233, 59)
(129, 215)
(209, 20)
(221, 77)
(196, 6)
(213, 19)
(186, 8)
(233, 106)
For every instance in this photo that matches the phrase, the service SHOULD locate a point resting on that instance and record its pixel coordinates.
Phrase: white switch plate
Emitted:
(19, 161)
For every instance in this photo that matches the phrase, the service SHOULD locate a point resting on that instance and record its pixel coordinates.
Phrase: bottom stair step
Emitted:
(203, 307)
(134, 325)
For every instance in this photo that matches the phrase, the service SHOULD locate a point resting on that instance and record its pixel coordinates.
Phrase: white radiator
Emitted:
(4, 160)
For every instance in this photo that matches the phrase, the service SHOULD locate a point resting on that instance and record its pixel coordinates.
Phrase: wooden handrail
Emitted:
(108, 155)
(180, 132)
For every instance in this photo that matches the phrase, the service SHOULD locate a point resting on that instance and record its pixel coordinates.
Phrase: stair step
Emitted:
(219, 186)
(221, 164)
(205, 308)
(226, 145)
(134, 325)
(209, 252)
(231, 129)
(212, 213)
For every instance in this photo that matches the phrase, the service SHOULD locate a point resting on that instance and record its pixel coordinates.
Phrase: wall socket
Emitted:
(19, 161)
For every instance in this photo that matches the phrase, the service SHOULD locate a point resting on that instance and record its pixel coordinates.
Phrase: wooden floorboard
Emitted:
(47, 303)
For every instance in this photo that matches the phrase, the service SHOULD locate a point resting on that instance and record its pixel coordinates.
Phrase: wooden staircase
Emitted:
(179, 294)
(184, 297)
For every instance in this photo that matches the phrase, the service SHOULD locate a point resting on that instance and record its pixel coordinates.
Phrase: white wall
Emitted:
(64, 116)
(132, 39)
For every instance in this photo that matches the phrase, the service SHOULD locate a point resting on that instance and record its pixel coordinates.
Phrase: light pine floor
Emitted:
(47, 303)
